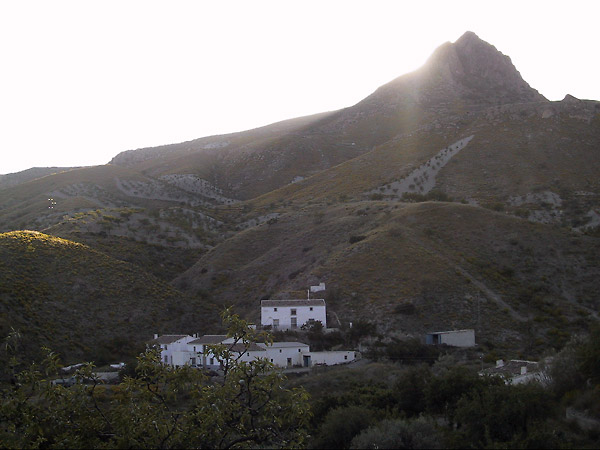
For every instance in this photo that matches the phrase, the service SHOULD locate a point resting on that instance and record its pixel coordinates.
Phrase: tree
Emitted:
(161, 407)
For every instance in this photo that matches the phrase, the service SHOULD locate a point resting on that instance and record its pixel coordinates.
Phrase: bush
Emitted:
(399, 433)
(354, 239)
(341, 425)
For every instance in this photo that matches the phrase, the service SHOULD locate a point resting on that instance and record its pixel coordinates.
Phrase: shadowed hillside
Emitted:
(84, 304)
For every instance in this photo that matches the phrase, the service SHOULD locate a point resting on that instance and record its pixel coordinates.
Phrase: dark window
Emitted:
(293, 311)
(275, 309)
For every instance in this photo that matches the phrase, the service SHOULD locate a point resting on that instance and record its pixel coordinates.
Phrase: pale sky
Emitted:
(81, 81)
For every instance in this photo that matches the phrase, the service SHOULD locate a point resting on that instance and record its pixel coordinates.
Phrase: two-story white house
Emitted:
(291, 314)
(173, 348)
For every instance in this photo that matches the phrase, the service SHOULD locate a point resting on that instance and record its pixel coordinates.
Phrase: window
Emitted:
(212, 361)
(194, 348)
(166, 347)
(193, 361)
(275, 324)
(294, 322)
(311, 308)
(166, 359)
(298, 350)
(293, 312)
(271, 359)
(279, 350)
(275, 309)
(345, 356)
(248, 354)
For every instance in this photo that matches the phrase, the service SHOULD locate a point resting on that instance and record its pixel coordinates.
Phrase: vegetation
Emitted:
(84, 304)
(158, 407)
(451, 406)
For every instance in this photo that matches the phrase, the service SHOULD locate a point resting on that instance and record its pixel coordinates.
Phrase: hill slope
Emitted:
(83, 303)
(466, 74)
(413, 268)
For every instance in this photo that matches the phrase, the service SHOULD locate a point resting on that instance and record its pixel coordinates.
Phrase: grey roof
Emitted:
(513, 367)
(240, 348)
(452, 331)
(305, 302)
(209, 339)
(169, 338)
(287, 344)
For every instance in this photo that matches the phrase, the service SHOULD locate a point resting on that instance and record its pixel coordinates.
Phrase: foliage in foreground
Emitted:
(450, 406)
(161, 407)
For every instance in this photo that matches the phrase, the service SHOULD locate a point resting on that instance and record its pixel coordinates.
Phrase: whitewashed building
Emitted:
(173, 348)
(292, 314)
(286, 354)
(181, 350)
(330, 358)
(456, 338)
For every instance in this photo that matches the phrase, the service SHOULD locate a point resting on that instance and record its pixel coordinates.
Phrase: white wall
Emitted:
(462, 338)
(331, 358)
(278, 354)
(284, 314)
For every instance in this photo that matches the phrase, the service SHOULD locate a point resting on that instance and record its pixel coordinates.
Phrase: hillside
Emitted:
(414, 268)
(538, 161)
(466, 74)
(84, 304)
(454, 196)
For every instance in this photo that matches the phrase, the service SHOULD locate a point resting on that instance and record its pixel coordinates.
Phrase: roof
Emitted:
(305, 302)
(286, 344)
(240, 348)
(452, 331)
(209, 339)
(512, 367)
(169, 338)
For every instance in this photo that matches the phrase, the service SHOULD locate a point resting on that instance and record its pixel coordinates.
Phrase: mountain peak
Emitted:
(467, 38)
(484, 71)
(470, 70)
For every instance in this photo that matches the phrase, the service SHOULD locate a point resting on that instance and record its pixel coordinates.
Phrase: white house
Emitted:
(174, 349)
(180, 350)
(286, 354)
(291, 314)
(456, 338)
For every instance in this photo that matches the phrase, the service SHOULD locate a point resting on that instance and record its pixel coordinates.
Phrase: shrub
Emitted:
(354, 239)
(341, 425)
(399, 433)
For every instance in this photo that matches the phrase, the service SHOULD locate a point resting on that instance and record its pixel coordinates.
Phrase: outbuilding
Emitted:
(455, 338)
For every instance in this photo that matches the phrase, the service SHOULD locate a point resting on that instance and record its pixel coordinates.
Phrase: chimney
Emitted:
(499, 363)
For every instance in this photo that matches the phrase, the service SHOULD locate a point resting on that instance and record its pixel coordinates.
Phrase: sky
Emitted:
(81, 81)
